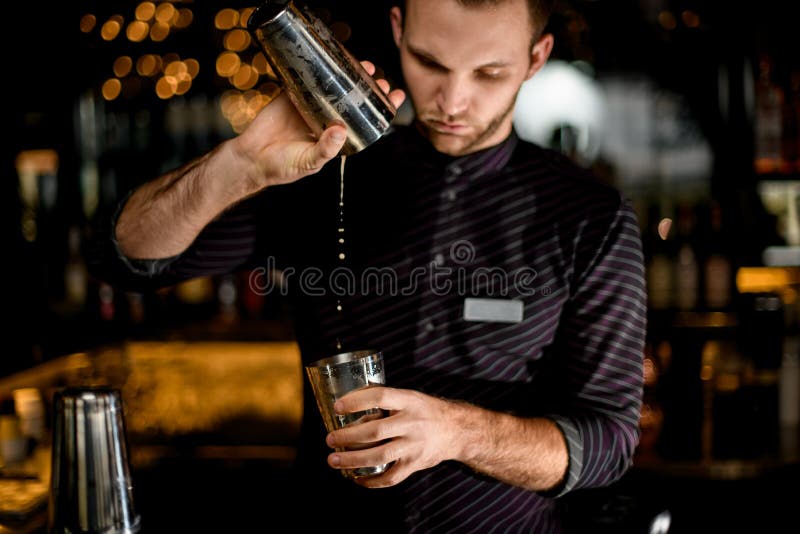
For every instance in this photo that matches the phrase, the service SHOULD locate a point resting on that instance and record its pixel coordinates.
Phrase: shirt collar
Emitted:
(486, 161)
(415, 147)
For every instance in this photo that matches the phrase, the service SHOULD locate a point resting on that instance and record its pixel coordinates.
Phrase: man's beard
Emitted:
(487, 132)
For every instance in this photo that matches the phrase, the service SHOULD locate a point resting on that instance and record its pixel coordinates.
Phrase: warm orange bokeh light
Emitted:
(145, 11)
(226, 19)
(262, 66)
(192, 67)
(245, 78)
(137, 31)
(165, 12)
(122, 66)
(110, 29)
(165, 87)
(185, 18)
(175, 68)
(228, 64)
(159, 31)
(667, 20)
(111, 89)
(236, 40)
(244, 16)
(148, 65)
(88, 22)
(690, 19)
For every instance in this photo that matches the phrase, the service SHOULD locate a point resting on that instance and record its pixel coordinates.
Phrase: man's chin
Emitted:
(452, 145)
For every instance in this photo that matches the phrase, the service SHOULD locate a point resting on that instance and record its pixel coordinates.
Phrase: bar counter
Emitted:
(211, 429)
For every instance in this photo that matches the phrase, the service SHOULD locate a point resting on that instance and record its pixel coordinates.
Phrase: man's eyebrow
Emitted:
(497, 64)
(423, 54)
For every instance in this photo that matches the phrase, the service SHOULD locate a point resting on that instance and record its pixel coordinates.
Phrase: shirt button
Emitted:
(429, 327)
(452, 174)
(438, 260)
(450, 194)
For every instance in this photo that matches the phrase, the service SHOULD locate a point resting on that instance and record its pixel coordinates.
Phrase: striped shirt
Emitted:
(423, 232)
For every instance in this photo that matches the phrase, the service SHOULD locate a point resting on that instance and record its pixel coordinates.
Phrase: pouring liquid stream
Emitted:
(340, 238)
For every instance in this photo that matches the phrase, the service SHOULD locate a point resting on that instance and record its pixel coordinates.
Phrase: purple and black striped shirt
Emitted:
(515, 225)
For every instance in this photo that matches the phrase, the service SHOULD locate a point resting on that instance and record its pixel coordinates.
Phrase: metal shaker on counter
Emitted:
(324, 81)
(91, 489)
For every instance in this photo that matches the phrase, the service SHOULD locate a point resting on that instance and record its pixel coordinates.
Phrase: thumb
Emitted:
(326, 148)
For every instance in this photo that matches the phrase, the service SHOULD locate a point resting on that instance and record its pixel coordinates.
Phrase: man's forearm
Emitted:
(525, 452)
(163, 217)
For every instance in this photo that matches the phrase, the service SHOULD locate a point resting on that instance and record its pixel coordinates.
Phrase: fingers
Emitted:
(397, 97)
(384, 85)
(395, 474)
(372, 397)
(369, 66)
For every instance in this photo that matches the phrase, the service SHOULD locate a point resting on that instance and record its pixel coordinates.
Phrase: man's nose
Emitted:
(453, 98)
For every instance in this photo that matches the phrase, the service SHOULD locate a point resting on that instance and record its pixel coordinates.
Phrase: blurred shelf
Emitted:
(782, 256)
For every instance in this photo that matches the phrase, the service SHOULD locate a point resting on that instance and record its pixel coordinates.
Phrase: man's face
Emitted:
(463, 67)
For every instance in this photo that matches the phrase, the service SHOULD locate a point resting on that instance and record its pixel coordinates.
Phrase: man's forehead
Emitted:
(474, 5)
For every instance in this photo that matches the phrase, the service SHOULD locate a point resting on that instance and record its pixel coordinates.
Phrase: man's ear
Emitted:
(396, 17)
(540, 53)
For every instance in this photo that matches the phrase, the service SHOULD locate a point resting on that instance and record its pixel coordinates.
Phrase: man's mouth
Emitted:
(445, 127)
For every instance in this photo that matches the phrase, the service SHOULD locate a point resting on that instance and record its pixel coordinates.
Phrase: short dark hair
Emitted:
(540, 11)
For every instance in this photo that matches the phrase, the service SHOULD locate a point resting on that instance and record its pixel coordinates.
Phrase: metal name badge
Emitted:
(493, 310)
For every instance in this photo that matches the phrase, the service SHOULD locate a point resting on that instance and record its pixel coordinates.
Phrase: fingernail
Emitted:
(335, 461)
(330, 441)
(337, 137)
(337, 407)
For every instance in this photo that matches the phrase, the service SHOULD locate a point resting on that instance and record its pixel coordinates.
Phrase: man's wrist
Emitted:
(468, 430)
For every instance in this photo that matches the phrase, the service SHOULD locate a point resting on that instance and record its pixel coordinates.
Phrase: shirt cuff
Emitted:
(574, 443)
(147, 268)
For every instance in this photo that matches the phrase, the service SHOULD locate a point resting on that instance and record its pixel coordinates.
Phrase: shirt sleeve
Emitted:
(225, 245)
(602, 337)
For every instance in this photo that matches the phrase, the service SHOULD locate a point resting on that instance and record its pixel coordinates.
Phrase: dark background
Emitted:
(50, 64)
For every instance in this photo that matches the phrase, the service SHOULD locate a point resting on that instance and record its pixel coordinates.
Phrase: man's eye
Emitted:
(490, 74)
(430, 64)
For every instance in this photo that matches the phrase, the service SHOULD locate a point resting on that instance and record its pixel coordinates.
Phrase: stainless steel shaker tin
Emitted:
(91, 489)
(324, 81)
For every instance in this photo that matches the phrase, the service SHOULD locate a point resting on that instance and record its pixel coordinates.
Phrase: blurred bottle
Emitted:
(687, 269)
(792, 124)
(652, 416)
(253, 301)
(761, 328)
(789, 399)
(29, 407)
(717, 275)
(107, 306)
(76, 275)
(13, 443)
(228, 298)
(136, 307)
(88, 144)
(768, 127)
